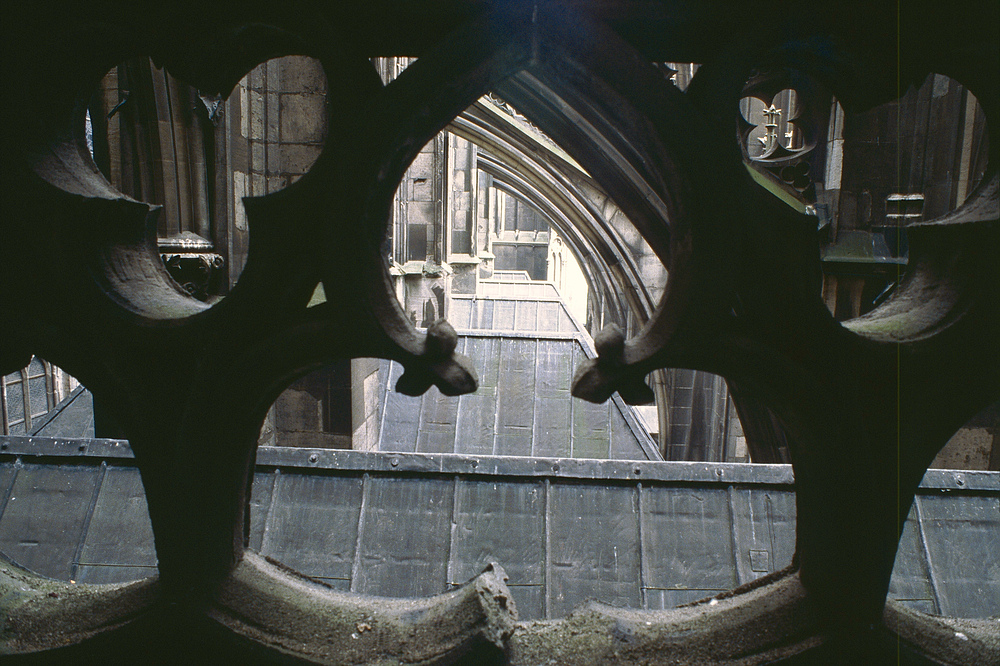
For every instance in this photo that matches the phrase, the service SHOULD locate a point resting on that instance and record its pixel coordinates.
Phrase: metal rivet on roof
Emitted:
(313, 458)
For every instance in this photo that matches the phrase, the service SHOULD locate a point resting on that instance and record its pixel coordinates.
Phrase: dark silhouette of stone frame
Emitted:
(865, 405)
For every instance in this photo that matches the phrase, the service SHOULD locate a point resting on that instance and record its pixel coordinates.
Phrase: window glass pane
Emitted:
(36, 391)
(15, 401)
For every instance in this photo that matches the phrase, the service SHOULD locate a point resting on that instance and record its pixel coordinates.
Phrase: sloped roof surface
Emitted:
(525, 346)
(639, 534)
(523, 407)
(511, 312)
(73, 417)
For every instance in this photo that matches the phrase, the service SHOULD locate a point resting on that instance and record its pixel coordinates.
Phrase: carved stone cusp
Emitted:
(439, 365)
(636, 392)
(441, 340)
(413, 383)
(596, 379)
(610, 345)
(456, 376)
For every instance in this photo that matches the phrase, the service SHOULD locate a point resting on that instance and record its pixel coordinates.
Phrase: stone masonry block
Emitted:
(303, 118)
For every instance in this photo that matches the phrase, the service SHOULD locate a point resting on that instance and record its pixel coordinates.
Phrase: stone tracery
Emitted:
(107, 313)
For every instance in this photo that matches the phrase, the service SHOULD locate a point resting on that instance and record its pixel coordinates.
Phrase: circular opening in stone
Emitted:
(158, 140)
(911, 160)
(472, 239)
(864, 176)
(402, 521)
(497, 229)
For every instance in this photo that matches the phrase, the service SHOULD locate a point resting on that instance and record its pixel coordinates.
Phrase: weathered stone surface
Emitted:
(39, 614)
(302, 118)
(299, 616)
(752, 625)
